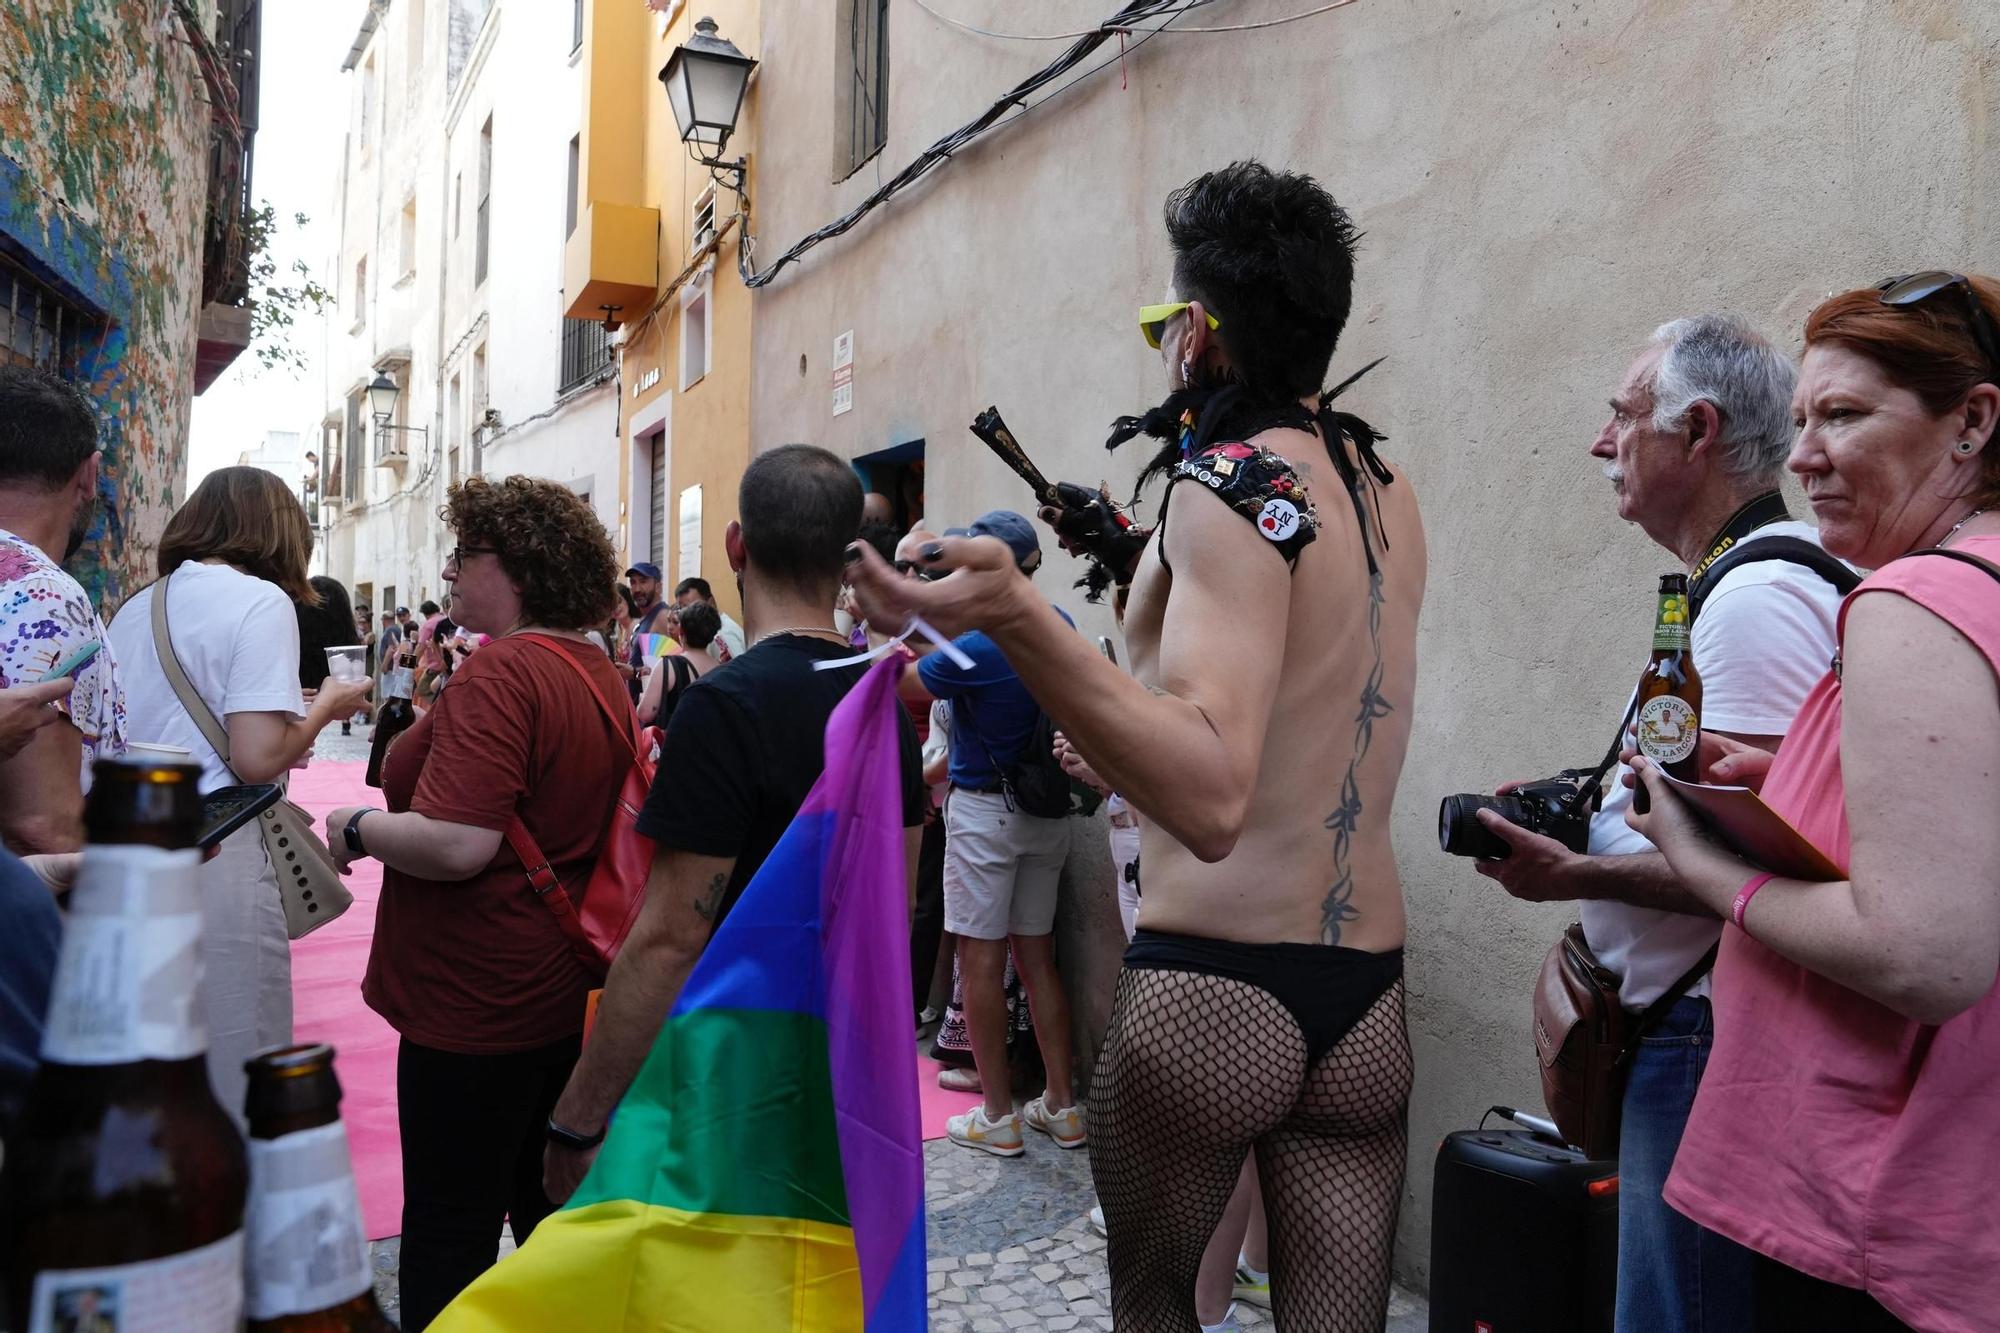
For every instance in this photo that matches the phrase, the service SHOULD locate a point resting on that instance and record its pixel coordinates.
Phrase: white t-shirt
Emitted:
(237, 637)
(1765, 636)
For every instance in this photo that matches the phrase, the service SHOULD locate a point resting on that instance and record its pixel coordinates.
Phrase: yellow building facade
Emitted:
(654, 253)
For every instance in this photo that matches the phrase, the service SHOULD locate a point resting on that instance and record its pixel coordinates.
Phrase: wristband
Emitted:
(569, 1138)
(1743, 897)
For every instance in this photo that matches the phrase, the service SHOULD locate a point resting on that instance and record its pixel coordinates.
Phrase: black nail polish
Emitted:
(853, 553)
(932, 551)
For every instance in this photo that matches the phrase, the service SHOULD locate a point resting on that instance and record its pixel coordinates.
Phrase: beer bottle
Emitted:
(1670, 691)
(124, 1181)
(395, 714)
(308, 1269)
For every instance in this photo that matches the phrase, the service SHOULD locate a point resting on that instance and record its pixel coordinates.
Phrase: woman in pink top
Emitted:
(1848, 1126)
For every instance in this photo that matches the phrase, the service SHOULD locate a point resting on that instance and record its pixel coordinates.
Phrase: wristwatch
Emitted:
(352, 833)
(570, 1139)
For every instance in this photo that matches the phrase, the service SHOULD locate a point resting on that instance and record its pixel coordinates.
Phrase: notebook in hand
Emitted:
(1756, 831)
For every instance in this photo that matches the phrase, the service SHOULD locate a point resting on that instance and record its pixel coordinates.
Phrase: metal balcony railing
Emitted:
(586, 350)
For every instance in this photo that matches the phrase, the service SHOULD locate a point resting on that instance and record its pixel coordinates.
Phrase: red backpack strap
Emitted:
(542, 879)
(541, 876)
(627, 726)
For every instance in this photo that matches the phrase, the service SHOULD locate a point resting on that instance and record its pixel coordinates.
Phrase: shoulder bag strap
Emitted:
(1966, 557)
(1655, 1013)
(1792, 550)
(1000, 775)
(197, 708)
(541, 876)
(627, 726)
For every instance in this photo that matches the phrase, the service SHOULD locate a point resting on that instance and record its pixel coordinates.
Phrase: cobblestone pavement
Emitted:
(1011, 1247)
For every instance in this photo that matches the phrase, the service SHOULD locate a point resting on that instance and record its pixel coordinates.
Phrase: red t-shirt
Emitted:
(480, 965)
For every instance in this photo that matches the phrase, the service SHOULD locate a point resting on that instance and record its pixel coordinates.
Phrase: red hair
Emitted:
(1928, 348)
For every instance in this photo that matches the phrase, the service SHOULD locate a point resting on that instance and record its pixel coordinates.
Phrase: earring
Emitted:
(1187, 373)
(1965, 448)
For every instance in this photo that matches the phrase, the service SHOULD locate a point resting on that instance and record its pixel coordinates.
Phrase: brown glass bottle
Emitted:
(307, 1265)
(395, 713)
(1669, 718)
(124, 1184)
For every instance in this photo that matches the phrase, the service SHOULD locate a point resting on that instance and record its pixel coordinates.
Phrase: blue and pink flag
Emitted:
(765, 1170)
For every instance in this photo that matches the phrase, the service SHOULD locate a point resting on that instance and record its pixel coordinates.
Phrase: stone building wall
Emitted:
(103, 181)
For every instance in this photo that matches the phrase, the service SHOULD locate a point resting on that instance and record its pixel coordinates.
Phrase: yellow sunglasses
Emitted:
(1153, 320)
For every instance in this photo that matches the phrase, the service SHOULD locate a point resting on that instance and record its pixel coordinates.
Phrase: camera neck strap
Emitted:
(1761, 511)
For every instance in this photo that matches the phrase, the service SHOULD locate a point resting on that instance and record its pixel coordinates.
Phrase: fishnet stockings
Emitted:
(1195, 1072)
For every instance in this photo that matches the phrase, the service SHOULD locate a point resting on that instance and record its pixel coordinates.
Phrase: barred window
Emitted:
(38, 325)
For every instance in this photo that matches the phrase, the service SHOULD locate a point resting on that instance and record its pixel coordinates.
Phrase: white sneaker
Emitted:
(1064, 1126)
(1097, 1221)
(1230, 1323)
(1000, 1137)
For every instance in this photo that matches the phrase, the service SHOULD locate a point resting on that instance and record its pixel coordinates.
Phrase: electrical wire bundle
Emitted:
(1119, 24)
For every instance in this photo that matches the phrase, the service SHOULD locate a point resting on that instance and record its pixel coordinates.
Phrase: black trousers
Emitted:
(472, 1159)
(927, 921)
(1787, 1300)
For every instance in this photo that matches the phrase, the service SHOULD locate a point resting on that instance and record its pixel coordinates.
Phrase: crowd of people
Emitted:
(1804, 1128)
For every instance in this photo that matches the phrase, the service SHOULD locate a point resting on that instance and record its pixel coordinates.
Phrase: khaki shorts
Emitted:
(1001, 867)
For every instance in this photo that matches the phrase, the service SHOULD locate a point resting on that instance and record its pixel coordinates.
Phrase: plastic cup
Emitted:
(348, 662)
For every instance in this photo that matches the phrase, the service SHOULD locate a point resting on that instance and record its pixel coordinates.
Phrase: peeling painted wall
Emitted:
(103, 178)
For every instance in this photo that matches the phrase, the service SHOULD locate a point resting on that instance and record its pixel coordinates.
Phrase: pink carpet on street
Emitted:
(327, 1006)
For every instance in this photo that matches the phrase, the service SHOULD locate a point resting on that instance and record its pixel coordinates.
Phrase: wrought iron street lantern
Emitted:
(705, 79)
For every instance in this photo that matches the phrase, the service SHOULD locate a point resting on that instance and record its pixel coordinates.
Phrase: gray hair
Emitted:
(1722, 360)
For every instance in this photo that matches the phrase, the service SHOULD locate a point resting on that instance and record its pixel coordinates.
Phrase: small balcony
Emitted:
(611, 267)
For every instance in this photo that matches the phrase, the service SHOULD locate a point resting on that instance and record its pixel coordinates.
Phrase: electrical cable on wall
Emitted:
(943, 17)
(1181, 7)
(1016, 97)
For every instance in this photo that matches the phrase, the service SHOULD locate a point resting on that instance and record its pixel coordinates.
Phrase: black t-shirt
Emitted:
(744, 748)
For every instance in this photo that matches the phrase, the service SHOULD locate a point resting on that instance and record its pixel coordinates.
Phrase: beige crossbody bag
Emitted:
(309, 884)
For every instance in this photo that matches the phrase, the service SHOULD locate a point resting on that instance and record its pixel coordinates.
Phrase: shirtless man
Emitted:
(1272, 623)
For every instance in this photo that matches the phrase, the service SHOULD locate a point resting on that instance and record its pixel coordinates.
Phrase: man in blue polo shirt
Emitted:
(1001, 865)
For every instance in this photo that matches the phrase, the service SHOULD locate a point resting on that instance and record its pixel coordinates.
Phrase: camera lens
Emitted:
(1461, 834)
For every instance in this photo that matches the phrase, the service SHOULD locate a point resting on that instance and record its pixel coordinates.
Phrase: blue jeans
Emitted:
(1673, 1276)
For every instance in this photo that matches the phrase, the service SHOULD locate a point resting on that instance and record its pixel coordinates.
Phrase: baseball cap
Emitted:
(645, 569)
(1009, 527)
(402, 610)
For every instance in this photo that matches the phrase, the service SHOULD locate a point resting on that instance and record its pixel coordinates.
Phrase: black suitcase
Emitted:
(1524, 1236)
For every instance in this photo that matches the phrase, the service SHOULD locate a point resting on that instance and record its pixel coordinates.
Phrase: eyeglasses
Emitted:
(1153, 320)
(458, 553)
(1914, 287)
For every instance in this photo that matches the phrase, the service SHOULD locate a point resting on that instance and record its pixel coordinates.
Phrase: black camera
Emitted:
(1555, 807)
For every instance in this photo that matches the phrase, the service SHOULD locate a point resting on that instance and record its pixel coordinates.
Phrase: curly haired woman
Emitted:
(468, 963)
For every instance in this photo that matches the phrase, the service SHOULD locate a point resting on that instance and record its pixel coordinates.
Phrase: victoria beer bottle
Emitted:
(1670, 691)
(395, 714)
(125, 1180)
(307, 1269)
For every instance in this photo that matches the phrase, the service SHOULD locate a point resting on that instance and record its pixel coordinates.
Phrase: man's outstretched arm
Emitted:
(1212, 707)
(683, 895)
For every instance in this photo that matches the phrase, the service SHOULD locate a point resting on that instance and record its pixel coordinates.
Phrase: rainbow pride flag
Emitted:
(765, 1170)
(655, 646)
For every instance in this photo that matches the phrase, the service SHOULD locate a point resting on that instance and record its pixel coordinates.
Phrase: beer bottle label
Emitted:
(1670, 627)
(1668, 729)
(307, 1250)
(197, 1291)
(126, 980)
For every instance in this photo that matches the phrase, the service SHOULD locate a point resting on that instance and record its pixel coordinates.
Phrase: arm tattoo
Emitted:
(1338, 907)
(710, 901)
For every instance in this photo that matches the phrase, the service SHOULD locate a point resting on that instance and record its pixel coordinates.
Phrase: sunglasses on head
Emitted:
(1912, 288)
(1153, 320)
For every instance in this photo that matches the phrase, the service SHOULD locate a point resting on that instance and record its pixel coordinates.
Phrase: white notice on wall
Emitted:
(843, 373)
(690, 557)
